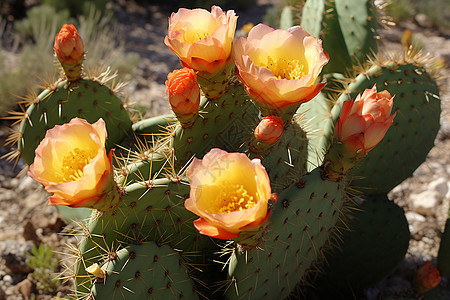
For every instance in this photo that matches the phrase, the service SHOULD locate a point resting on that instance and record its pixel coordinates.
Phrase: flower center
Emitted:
(73, 164)
(196, 36)
(285, 69)
(233, 197)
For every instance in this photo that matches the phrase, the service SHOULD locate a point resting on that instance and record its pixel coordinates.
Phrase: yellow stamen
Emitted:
(285, 69)
(196, 36)
(73, 164)
(233, 197)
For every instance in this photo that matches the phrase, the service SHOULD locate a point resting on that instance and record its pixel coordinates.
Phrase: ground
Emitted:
(25, 219)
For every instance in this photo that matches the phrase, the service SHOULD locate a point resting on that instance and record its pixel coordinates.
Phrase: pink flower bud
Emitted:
(69, 46)
(364, 121)
(269, 130)
(183, 93)
(427, 278)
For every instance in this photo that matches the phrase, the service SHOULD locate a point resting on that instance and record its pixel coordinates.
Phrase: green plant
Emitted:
(202, 232)
(35, 63)
(45, 267)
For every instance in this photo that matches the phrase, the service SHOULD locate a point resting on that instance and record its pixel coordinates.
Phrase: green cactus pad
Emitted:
(300, 224)
(145, 271)
(443, 259)
(417, 123)
(226, 123)
(316, 119)
(358, 22)
(85, 99)
(155, 125)
(376, 242)
(347, 27)
(312, 16)
(149, 211)
(285, 161)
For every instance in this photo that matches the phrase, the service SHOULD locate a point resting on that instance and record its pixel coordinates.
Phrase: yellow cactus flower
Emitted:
(72, 163)
(280, 67)
(229, 192)
(201, 39)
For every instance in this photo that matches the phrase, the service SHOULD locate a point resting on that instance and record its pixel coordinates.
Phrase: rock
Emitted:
(14, 255)
(29, 233)
(423, 20)
(413, 219)
(425, 202)
(440, 185)
(26, 287)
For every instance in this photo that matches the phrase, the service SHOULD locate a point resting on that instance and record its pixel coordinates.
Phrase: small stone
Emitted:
(8, 278)
(440, 185)
(425, 202)
(412, 217)
(25, 288)
(423, 20)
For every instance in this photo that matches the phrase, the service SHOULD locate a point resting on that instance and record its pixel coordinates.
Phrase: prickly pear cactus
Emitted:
(237, 194)
(377, 239)
(87, 99)
(417, 121)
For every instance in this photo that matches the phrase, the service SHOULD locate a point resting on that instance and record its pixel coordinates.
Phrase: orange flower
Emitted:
(72, 163)
(363, 123)
(229, 192)
(279, 67)
(202, 39)
(183, 93)
(427, 278)
(269, 130)
(69, 46)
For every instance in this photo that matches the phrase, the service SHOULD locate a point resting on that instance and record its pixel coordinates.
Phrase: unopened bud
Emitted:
(269, 130)
(69, 49)
(183, 93)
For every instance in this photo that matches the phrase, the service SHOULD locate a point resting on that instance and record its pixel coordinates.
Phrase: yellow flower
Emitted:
(201, 39)
(229, 192)
(72, 163)
(279, 67)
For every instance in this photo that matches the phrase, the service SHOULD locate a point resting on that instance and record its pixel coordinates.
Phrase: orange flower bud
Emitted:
(201, 39)
(72, 163)
(183, 93)
(279, 67)
(269, 130)
(427, 278)
(229, 192)
(69, 46)
(364, 122)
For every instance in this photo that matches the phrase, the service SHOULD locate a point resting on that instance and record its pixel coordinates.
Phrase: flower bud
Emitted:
(427, 278)
(183, 94)
(269, 130)
(69, 49)
(364, 122)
